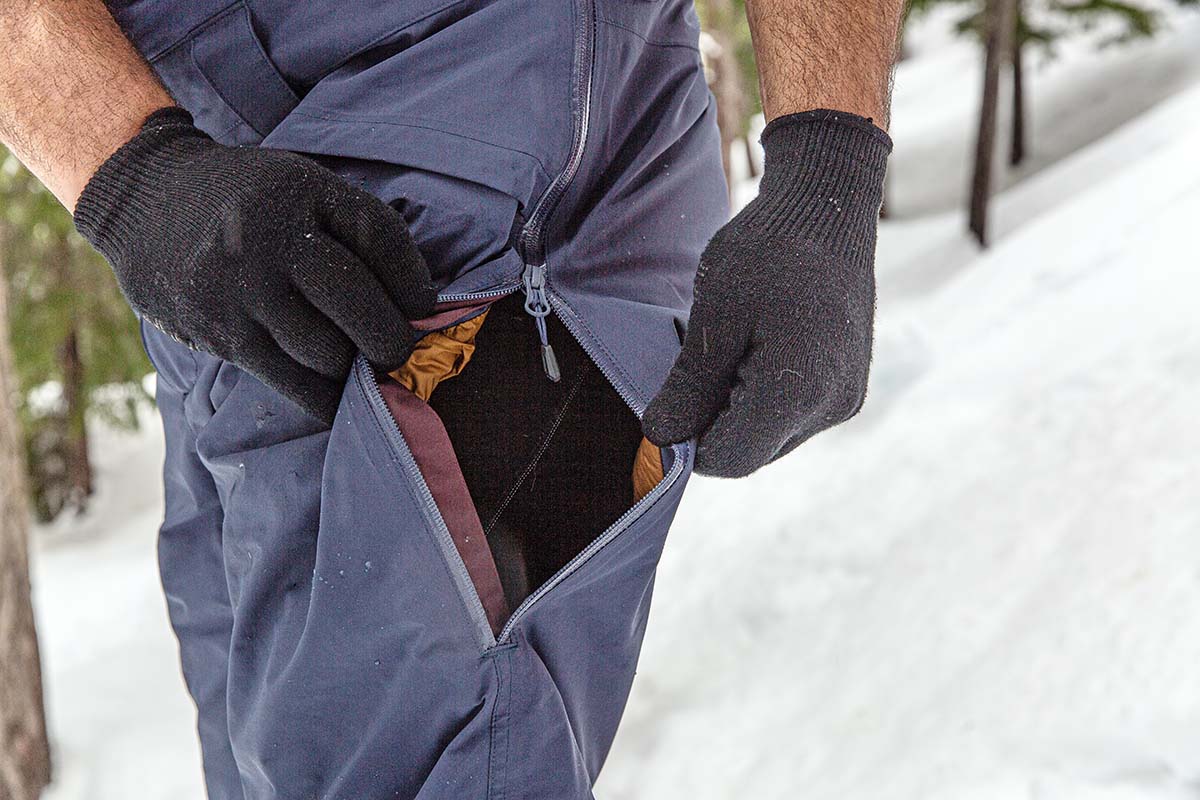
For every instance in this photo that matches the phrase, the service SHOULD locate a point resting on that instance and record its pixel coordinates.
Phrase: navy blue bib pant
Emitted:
(330, 630)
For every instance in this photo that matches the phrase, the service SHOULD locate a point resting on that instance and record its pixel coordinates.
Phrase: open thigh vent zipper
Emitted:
(678, 463)
(540, 302)
(445, 542)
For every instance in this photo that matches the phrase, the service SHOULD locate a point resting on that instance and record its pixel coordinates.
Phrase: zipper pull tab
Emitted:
(549, 362)
(537, 305)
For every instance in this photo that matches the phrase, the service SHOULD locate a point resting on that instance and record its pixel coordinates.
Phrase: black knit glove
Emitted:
(260, 257)
(779, 342)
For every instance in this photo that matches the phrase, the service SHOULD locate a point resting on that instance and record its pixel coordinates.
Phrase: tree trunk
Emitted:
(751, 166)
(79, 466)
(727, 83)
(904, 52)
(24, 749)
(1000, 22)
(1016, 153)
(78, 472)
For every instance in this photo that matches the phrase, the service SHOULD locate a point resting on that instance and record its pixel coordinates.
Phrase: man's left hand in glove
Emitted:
(779, 343)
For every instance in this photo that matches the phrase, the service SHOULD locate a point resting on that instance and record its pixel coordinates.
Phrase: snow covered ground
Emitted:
(985, 587)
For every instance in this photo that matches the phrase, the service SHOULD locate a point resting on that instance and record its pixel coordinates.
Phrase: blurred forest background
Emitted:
(71, 356)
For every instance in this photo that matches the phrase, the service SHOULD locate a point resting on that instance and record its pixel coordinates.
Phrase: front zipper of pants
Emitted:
(531, 241)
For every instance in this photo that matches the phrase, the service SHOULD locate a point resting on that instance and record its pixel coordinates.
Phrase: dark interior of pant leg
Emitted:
(547, 464)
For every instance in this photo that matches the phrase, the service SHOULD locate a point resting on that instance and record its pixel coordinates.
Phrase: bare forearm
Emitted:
(72, 89)
(818, 54)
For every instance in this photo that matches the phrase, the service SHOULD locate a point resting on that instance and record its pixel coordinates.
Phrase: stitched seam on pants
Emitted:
(498, 750)
(614, 363)
(537, 456)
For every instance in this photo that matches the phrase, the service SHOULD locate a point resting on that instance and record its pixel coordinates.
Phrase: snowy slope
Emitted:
(983, 587)
(986, 585)
(121, 721)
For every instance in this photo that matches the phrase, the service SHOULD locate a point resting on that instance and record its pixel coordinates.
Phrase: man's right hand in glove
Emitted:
(260, 257)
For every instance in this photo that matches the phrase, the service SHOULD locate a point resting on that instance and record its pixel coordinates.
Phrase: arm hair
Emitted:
(825, 54)
(72, 89)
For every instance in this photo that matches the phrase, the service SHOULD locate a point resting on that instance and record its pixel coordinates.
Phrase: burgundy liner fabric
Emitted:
(451, 313)
(426, 438)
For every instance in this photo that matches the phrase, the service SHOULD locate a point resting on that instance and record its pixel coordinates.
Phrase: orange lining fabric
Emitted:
(439, 355)
(647, 468)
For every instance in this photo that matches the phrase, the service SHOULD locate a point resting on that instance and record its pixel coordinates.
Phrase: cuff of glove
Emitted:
(843, 125)
(107, 196)
(824, 173)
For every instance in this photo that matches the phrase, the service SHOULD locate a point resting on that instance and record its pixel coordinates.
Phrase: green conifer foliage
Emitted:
(76, 344)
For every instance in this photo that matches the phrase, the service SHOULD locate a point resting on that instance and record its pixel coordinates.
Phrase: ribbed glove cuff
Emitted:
(106, 199)
(823, 178)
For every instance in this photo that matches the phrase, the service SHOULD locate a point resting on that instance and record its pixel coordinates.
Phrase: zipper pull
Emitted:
(537, 305)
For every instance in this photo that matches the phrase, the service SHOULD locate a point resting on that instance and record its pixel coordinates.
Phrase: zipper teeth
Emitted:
(614, 380)
(597, 544)
(624, 520)
(584, 50)
(499, 292)
(445, 541)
